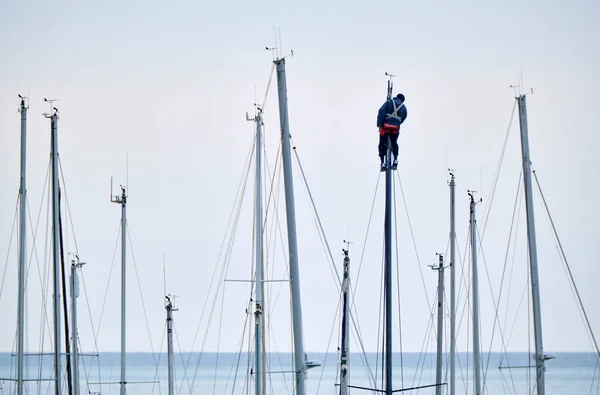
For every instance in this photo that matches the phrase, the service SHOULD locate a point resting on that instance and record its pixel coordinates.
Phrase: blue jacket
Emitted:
(387, 109)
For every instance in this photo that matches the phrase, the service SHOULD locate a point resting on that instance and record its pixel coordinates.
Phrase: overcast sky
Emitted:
(168, 84)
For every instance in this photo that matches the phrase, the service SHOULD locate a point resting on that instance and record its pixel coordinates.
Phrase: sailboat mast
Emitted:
(452, 285)
(258, 259)
(74, 351)
(56, 251)
(531, 239)
(475, 285)
(22, 252)
(170, 358)
(388, 262)
(345, 348)
(122, 200)
(291, 228)
(440, 326)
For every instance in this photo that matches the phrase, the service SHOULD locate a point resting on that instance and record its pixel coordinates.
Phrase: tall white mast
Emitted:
(531, 240)
(258, 259)
(475, 285)
(452, 285)
(170, 357)
(122, 200)
(440, 326)
(55, 245)
(345, 348)
(299, 366)
(74, 352)
(22, 252)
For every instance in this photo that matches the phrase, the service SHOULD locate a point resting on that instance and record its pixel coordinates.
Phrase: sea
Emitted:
(231, 373)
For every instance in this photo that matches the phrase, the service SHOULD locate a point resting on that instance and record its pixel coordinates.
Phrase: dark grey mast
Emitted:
(74, 349)
(22, 251)
(475, 286)
(55, 246)
(259, 347)
(299, 365)
(531, 240)
(345, 347)
(452, 286)
(388, 260)
(170, 357)
(122, 200)
(440, 324)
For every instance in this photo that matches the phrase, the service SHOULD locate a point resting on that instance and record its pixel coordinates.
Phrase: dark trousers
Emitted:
(383, 145)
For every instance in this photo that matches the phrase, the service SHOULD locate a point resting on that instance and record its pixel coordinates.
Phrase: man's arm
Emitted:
(403, 114)
(381, 115)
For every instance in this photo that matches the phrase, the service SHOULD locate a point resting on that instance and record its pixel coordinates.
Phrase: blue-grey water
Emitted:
(227, 373)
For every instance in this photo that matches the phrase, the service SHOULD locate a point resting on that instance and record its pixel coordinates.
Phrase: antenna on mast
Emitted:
(390, 86)
(127, 169)
(520, 85)
(122, 198)
(280, 45)
(51, 102)
(273, 51)
(347, 245)
(164, 275)
(23, 104)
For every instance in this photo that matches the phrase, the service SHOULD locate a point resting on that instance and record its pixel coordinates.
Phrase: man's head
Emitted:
(400, 96)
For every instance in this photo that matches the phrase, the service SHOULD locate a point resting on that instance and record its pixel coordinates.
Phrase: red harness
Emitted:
(388, 129)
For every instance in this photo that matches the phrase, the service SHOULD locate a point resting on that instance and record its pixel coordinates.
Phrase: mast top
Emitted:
(440, 264)
(390, 85)
(347, 242)
(520, 84)
(75, 262)
(122, 198)
(53, 110)
(276, 56)
(23, 105)
(472, 197)
(170, 302)
(258, 114)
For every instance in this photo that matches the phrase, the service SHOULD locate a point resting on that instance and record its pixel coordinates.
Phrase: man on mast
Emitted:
(389, 118)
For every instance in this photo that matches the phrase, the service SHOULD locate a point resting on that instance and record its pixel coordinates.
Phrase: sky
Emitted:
(155, 94)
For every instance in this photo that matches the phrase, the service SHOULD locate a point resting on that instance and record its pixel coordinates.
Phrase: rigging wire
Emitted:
(142, 300)
(9, 244)
(412, 234)
(465, 285)
(264, 103)
(495, 308)
(35, 253)
(498, 168)
(422, 356)
(232, 224)
(156, 375)
(589, 327)
(496, 305)
(318, 218)
(232, 219)
(45, 282)
(380, 330)
(326, 246)
(108, 281)
(219, 340)
(185, 375)
(329, 342)
(516, 207)
(512, 268)
(236, 362)
(398, 288)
